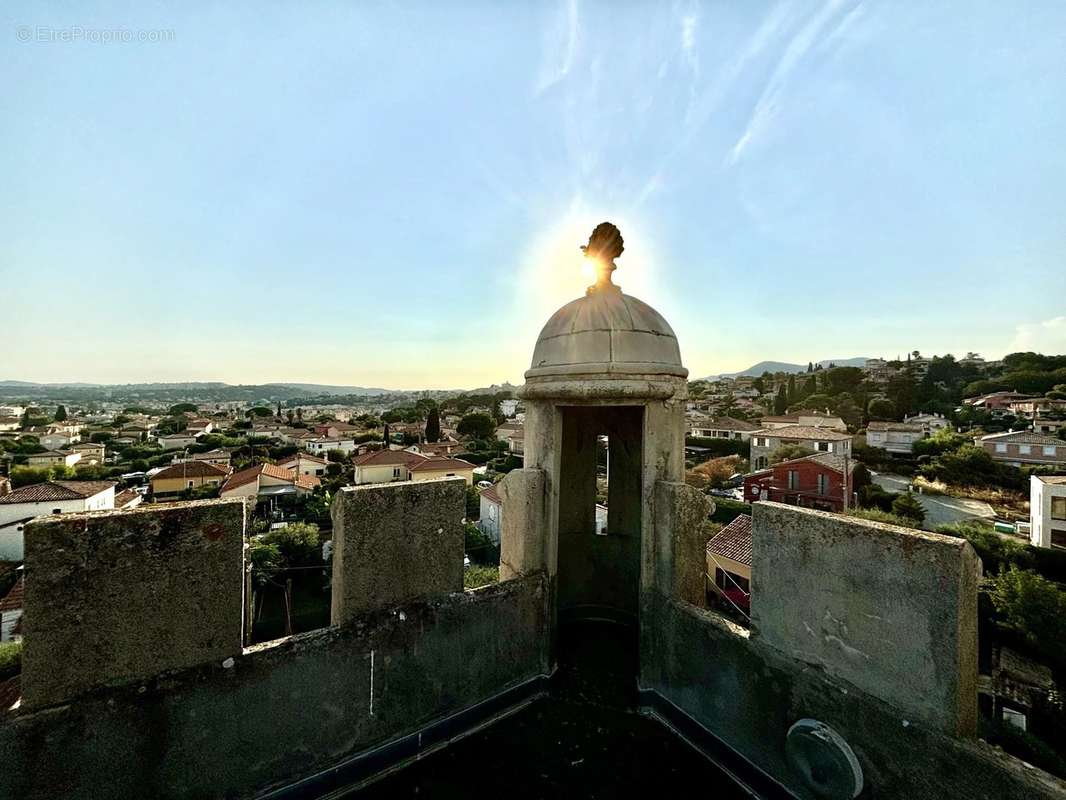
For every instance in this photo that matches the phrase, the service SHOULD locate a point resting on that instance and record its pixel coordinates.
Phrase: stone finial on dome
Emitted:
(605, 245)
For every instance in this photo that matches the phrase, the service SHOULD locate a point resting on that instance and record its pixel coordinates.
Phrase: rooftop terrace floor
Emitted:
(585, 739)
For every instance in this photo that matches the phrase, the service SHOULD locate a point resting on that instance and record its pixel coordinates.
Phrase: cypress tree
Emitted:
(61, 413)
(386, 436)
(433, 426)
(781, 401)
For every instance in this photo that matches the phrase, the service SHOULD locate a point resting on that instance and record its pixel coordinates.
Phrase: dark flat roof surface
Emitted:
(584, 740)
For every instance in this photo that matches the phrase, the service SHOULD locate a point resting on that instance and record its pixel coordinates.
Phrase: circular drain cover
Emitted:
(826, 762)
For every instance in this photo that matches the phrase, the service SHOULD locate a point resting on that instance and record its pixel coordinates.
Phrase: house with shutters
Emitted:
(816, 439)
(1024, 447)
(822, 481)
(895, 437)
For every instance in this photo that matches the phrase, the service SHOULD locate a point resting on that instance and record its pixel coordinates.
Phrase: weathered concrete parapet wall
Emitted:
(284, 710)
(396, 543)
(748, 695)
(890, 610)
(681, 533)
(121, 596)
(524, 523)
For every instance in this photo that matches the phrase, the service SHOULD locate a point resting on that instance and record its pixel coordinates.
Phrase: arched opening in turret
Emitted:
(598, 588)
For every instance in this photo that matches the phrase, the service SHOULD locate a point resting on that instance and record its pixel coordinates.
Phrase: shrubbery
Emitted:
(10, 659)
(877, 515)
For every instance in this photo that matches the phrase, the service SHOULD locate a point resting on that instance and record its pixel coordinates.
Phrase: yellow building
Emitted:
(432, 468)
(386, 466)
(729, 562)
(178, 478)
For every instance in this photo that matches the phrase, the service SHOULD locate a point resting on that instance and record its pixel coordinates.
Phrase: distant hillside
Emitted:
(781, 366)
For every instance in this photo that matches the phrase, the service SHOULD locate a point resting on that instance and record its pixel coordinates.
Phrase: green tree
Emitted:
(877, 515)
(181, 408)
(385, 435)
(787, 452)
(781, 401)
(1034, 607)
(942, 441)
(433, 425)
(337, 456)
(259, 411)
(909, 507)
(477, 426)
(881, 408)
(294, 545)
(61, 413)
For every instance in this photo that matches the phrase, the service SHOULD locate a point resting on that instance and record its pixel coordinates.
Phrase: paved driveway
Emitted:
(939, 509)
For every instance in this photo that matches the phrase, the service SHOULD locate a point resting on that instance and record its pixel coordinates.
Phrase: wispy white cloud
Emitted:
(1046, 336)
(559, 47)
(688, 40)
(768, 104)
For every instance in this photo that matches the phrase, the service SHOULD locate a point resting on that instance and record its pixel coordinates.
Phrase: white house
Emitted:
(1047, 510)
(304, 464)
(55, 497)
(323, 445)
(491, 507)
(91, 452)
(179, 441)
(895, 437)
(57, 440)
(722, 428)
(53, 458)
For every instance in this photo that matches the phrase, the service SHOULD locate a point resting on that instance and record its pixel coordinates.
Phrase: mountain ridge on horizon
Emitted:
(755, 370)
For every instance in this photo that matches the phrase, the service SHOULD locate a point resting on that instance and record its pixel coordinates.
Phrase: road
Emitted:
(939, 509)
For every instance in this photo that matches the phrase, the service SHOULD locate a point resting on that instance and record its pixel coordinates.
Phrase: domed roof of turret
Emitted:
(607, 332)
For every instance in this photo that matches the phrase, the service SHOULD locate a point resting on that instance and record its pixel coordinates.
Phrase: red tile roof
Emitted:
(252, 474)
(125, 497)
(733, 541)
(439, 463)
(386, 457)
(192, 469)
(55, 490)
(492, 495)
(13, 600)
(805, 432)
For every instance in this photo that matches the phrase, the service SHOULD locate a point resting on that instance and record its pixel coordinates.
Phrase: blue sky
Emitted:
(393, 194)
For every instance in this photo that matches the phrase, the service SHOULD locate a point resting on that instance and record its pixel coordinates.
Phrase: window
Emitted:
(57, 511)
(793, 479)
(823, 447)
(1058, 507)
(190, 485)
(396, 472)
(1024, 449)
(1058, 539)
(1049, 450)
(761, 441)
(1001, 448)
(823, 483)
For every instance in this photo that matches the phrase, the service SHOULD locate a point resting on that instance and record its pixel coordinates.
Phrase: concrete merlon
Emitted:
(396, 543)
(680, 540)
(523, 524)
(891, 610)
(120, 596)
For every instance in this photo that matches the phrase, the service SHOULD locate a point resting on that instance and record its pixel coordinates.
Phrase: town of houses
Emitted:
(839, 440)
